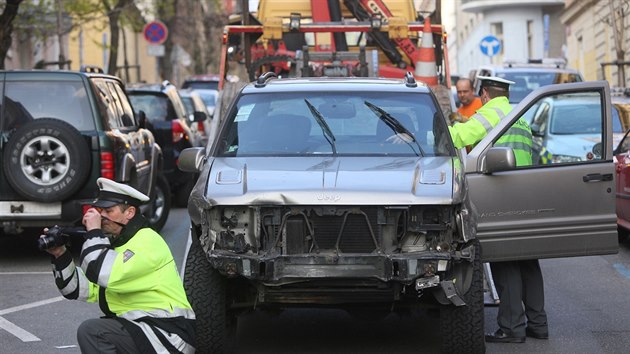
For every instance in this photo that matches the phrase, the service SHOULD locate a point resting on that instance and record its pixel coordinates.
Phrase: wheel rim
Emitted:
(45, 160)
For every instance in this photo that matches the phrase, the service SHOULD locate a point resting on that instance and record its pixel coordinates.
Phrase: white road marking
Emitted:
(31, 305)
(24, 273)
(23, 335)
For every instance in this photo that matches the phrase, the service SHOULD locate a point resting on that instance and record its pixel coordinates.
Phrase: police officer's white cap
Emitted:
(112, 193)
(495, 81)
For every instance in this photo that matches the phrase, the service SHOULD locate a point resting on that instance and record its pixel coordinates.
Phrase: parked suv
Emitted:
(167, 119)
(60, 131)
(349, 193)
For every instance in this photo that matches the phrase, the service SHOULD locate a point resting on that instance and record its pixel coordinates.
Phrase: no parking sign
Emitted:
(155, 32)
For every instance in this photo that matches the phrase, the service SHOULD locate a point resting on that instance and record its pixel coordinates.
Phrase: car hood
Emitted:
(578, 145)
(334, 180)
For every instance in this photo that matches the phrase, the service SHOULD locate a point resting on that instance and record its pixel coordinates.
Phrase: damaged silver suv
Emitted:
(348, 192)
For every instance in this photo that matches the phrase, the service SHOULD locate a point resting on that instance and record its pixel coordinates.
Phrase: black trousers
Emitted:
(104, 335)
(522, 297)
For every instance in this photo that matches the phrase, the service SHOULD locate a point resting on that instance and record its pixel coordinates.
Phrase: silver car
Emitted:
(348, 192)
(565, 128)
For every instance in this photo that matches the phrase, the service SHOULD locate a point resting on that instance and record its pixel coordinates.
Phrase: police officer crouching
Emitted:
(129, 269)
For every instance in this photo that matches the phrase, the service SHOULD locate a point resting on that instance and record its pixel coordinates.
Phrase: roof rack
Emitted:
(262, 79)
(91, 69)
(410, 80)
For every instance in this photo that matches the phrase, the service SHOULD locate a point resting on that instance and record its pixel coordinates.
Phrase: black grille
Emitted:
(355, 238)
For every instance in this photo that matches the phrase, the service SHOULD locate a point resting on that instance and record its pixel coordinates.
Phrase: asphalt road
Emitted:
(588, 305)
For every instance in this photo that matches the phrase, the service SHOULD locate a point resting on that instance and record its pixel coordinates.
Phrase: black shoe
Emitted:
(538, 335)
(500, 337)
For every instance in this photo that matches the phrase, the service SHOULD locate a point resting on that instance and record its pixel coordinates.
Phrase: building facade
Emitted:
(525, 29)
(592, 43)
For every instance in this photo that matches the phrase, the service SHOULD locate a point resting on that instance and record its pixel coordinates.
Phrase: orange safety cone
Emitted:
(425, 66)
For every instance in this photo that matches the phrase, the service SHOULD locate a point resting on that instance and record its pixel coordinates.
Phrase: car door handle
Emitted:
(594, 177)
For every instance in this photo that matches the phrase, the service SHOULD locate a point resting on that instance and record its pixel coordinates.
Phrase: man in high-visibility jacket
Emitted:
(519, 283)
(129, 269)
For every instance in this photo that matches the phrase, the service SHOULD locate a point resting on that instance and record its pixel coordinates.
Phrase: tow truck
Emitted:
(366, 38)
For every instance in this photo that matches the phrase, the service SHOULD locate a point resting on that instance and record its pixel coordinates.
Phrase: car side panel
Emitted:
(546, 211)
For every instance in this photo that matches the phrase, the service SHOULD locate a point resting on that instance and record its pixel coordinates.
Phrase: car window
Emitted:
(63, 100)
(624, 145)
(567, 129)
(127, 111)
(205, 85)
(188, 103)
(156, 107)
(109, 102)
(527, 81)
(208, 97)
(268, 124)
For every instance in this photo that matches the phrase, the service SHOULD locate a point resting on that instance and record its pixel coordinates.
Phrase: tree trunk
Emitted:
(6, 28)
(114, 28)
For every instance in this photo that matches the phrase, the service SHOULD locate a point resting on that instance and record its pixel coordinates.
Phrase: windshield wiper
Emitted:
(328, 134)
(395, 125)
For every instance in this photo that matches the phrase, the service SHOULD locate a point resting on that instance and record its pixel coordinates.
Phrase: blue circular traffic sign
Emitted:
(155, 32)
(490, 45)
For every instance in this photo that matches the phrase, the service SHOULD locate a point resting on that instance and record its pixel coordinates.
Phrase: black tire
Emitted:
(46, 160)
(462, 328)
(206, 289)
(161, 204)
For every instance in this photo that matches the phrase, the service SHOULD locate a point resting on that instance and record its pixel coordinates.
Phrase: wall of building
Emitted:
(590, 39)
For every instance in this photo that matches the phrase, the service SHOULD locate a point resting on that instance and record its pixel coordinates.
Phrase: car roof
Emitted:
(326, 84)
(62, 72)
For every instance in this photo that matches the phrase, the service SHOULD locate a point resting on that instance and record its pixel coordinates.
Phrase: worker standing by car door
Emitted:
(519, 283)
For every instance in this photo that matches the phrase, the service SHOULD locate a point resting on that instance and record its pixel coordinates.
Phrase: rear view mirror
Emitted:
(337, 110)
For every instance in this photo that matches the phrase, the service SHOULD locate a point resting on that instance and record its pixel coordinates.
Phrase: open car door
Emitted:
(560, 206)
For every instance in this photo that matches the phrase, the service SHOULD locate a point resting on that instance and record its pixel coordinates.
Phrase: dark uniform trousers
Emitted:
(105, 335)
(522, 297)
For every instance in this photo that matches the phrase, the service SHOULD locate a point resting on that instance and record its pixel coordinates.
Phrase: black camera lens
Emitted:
(58, 236)
(51, 241)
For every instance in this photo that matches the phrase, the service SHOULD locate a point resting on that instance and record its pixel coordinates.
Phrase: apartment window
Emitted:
(497, 30)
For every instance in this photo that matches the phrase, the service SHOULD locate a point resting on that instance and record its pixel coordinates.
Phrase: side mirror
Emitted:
(499, 159)
(199, 116)
(192, 159)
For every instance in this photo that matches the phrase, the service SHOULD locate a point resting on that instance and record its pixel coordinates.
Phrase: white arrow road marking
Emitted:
(23, 335)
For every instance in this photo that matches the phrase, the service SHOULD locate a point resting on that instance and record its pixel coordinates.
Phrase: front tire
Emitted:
(206, 289)
(462, 327)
